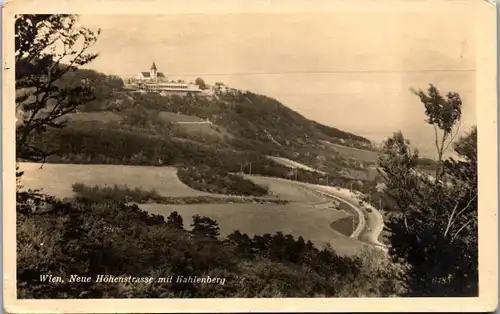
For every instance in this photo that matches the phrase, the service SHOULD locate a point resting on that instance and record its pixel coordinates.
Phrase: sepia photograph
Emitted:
(249, 153)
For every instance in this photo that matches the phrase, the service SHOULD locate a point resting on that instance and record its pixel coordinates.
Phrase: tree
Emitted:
(204, 226)
(46, 48)
(435, 230)
(201, 83)
(175, 221)
(443, 113)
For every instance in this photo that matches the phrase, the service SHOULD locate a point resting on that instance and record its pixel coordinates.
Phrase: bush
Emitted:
(116, 193)
(218, 181)
(122, 193)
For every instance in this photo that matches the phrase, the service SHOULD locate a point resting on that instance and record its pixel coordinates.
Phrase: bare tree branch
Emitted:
(462, 228)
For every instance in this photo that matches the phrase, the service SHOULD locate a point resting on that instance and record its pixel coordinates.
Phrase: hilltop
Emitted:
(240, 119)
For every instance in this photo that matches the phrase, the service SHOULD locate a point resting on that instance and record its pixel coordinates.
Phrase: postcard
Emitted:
(249, 156)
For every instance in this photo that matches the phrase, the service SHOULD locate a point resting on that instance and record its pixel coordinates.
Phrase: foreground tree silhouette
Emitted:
(435, 230)
(175, 221)
(444, 114)
(205, 226)
(47, 47)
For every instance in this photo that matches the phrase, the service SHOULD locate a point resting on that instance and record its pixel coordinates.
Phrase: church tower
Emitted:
(153, 71)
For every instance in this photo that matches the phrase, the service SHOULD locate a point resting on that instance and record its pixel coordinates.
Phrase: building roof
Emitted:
(147, 74)
(153, 66)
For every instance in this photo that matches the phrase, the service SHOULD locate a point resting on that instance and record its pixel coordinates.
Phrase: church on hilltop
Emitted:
(154, 81)
(152, 75)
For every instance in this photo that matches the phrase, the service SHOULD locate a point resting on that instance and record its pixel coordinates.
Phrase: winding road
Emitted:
(370, 223)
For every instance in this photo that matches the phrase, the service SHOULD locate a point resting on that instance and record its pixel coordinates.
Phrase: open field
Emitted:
(187, 124)
(292, 164)
(204, 129)
(311, 223)
(178, 117)
(289, 190)
(57, 179)
(195, 125)
(102, 116)
(354, 153)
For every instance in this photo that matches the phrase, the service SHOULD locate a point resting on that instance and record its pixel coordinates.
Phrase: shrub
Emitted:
(122, 193)
(219, 181)
(116, 193)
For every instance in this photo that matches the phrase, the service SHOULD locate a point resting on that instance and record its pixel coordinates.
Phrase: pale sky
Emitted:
(352, 70)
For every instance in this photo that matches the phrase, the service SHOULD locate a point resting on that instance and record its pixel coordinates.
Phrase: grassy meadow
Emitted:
(192, 125)
(353, 153)
(57, 179)
(293, 164)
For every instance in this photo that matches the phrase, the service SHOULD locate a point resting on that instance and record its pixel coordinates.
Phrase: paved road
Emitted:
(374, 222)
(376, 225)
(367, 230)
(362, 222)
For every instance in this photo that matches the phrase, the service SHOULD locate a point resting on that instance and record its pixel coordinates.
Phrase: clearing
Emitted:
(102, 116)
(57, 179)
(179, 117)
(195, 125)
(353, 153)
(293, 164)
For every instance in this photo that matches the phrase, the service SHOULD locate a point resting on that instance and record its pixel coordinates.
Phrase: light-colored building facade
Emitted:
(167, 88)
(154, 81)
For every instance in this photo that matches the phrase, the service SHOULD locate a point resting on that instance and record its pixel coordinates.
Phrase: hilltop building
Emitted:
(152, 75)
(154, 81)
